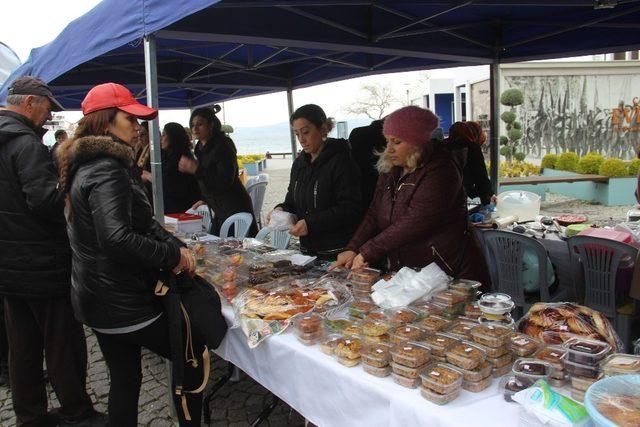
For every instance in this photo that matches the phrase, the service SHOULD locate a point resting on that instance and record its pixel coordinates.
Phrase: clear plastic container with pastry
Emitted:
(376, 371)
(401, 316)
(499, 362)
(366, 276)
(501, 372)
(531, 369)
(492, 335)
(359, 309)
(406, 371)
(450, 298)
(510, 385)
(433, 323)
(353, 330)
(477, 386)
(620, 364)
(461, 328)
(586, 351)
(337, 323)
(410, 354)
(583, 383)
(469, 288)
(581, 370)
(495, 352)
(437, 398)
(308, 323)
(495, 306)
(523, 345)
(472, 310)
(377, 355)
(405, 333)
(372, 327)
(466, 355)
(329, 343)
(553, 355)
(427, 308)
(347, 351)
(439, 343)
(478, 374)
(442, 378)
(405, 381)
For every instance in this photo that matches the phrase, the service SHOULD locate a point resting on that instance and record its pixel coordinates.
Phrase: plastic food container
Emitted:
(501, 372)
(492, 335)
(523, 345)
(406, 333)
(308, 323)
(406, 371)
(348, 362)
(461, 329)
(375, 328)
(401, 316)
(585, 351)
(348, 348)
(495, 352)
(410, 354)
(472, 310)
(426, 308)
(499, 362)
(495, 305)
(577, 395)
(505, 320)
(359, 309)
(465, 355)
(481, 372)
(557, 382)
(360, 294)
(376, 371)
(477, 386)
(449, 298)
(441, 378)
(439, 399)
(405, 382)
(376, 355)
(365, 275)
(582, 383)
(310, 338)
(439, 342)
(511, 385)
(337, 324)
(553, 355)
(466, 287)
(580, 370)
(329, 343)
(620, 364)
(525, 205)
(531, 369)
(432, 323)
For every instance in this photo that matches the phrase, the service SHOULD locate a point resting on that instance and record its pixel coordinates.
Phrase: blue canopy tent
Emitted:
(197, 52)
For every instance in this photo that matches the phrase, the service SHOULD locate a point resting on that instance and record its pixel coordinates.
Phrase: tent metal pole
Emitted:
(151, 75)
(494, 125)
(294, 146)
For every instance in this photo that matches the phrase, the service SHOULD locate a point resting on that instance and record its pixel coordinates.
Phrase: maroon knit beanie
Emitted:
(411, 124)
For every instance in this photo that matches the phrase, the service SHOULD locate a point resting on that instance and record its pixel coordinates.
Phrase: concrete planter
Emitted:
(617, 192)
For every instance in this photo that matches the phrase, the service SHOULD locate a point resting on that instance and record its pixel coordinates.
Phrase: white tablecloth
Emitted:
(330, 394)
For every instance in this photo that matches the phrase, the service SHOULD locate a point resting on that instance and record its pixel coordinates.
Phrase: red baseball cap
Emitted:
(110, 95)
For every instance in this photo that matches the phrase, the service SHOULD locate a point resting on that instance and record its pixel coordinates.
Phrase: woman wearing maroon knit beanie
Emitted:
(418, 214)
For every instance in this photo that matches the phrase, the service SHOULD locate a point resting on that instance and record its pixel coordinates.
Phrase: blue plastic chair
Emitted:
(241, 223)
(506, 250)
(278, 239)
(600, 260)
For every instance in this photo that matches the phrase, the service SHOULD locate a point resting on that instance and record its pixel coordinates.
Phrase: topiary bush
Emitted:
(519, 156)
(512, 97)
(613, 168)
(508, 116)
(567, 161)
(514, 134)
(633, 167)
(590, 164)
(549, 161)
(504, 140)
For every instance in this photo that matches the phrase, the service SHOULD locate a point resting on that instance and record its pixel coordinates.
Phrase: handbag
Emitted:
(193, 310)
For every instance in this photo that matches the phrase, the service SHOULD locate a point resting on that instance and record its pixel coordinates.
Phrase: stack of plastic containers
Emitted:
(620, 364)
(362, 281)
(408, 362)
(347, 351)
(439, 343)
(523, 345)
(582, 363)
(494, 340)
(496, 308)
(375, 359)
(554, 356)
(441, 383)
(309, 329)
(452, 302)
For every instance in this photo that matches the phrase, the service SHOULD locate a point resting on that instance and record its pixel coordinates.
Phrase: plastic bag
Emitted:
(550, 407)
(554, 323)
(409, 285)
(615, 401)
(281, 220)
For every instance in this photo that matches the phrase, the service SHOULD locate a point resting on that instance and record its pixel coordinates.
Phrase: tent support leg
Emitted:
(294, 146)
(151, 76)
(495, 125)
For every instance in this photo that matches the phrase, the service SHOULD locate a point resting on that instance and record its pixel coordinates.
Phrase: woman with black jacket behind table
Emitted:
(119, 250)
(324, 189)
(216, 170)
(179, 190)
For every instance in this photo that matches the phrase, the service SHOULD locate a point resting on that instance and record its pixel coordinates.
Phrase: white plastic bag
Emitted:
(409, 285)
(281, 220)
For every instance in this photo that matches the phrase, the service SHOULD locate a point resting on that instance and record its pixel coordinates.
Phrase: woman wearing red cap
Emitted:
(118, 248)
(418, 214)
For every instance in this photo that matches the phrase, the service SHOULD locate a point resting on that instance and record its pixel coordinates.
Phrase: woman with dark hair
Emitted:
(119, 250)
(418, 214)
(324, 189)
(179, 190)
(216, 170)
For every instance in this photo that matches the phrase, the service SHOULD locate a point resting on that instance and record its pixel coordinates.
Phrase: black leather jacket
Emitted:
(118, 248)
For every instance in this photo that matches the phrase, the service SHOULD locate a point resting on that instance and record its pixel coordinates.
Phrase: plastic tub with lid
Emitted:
(523, 204)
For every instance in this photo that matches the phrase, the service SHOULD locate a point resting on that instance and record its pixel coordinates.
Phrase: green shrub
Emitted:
(517, 125)
(567, 161)
(226, 128)
(505, 151)
(511, 97)
(514, 134)
(633, 167)
(590, 164)
(613, 168)
(519, 156)
(504, 140)
(508, 116)
(549, 161)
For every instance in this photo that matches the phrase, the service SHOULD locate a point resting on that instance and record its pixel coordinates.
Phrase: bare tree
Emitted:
(375, 101)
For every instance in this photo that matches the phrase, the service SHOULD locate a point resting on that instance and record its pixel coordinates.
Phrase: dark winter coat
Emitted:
(220, 185)
(35, 259)
(365, 141)
(179, 190)
(418, 219)
(326, 193)
(118, 248)
(468, 155)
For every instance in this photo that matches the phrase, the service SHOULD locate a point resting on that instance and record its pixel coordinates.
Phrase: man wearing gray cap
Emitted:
(35, 267)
